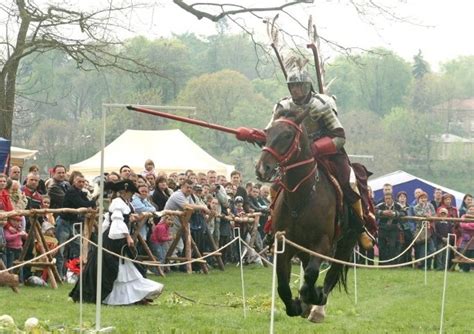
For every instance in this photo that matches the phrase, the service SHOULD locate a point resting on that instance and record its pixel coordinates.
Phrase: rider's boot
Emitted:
(365, 241)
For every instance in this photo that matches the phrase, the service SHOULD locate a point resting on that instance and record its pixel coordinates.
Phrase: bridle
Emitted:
(293, 151)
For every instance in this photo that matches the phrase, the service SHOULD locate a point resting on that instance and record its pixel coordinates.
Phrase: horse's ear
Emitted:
(301, 116)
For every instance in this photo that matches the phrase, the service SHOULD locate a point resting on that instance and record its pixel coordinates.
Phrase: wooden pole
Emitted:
(187, 237)
(43, 249)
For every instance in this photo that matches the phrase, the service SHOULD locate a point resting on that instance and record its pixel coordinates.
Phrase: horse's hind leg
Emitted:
(293, 306)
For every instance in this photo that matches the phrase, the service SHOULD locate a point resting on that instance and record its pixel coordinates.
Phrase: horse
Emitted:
(306, 209)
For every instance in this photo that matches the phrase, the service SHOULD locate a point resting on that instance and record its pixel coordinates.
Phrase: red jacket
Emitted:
(5, 202)
(13, 237)
(160, 233)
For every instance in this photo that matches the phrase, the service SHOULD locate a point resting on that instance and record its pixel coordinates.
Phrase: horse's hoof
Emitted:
(294, 309)
(305, 309)
(317, 314)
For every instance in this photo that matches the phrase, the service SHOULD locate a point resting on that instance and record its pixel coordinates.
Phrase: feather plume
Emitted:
(295, 62)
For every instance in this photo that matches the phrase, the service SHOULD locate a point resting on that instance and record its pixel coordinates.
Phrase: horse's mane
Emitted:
(286, 113)
(291, 114)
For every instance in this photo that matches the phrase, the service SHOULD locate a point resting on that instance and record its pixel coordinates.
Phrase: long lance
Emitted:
(256, 135)
(184, 119)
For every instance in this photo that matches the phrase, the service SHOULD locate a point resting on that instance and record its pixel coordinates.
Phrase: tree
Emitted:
(426, 89)
(86, 37)
(457, 78)
(411, 134)
(225, 97)
(378, 81)
(420, 66)
(53, 138)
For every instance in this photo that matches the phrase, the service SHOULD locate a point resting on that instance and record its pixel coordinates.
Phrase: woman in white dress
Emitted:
(122, 282)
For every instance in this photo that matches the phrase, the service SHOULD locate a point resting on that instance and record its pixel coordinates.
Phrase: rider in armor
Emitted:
(328, 139)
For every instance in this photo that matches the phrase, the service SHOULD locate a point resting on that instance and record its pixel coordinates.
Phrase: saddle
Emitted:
(329, 171)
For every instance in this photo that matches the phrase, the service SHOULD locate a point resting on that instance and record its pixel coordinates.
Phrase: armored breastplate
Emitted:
(313, 128)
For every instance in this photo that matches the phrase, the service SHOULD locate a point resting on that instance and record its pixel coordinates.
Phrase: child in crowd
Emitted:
(238, 209)
(14, 236)
(47, 217)
(161, 237)
(149, 168)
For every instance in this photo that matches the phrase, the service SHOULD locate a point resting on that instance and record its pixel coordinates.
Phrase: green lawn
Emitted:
(389, 301)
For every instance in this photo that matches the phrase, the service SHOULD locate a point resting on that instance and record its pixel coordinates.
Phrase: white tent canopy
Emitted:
(170, 150)
(22, 153)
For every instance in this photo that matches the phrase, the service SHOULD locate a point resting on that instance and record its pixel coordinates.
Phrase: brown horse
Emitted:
(306, 210)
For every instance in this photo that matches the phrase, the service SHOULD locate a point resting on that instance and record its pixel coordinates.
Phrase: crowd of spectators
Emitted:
(215, 199)
(396, 234)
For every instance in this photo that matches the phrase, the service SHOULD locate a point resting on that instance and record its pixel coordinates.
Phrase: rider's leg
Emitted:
(347, 179)
(268, 228)
(364, 239)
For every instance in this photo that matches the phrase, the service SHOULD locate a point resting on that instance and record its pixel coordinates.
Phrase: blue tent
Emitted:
(401, 180)
(4, 154)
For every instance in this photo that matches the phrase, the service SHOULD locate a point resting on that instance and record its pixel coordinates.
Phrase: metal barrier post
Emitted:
(443, 299)
(80, 275)
(426, 226)
(275, 257)
(355, 276)
(241, 260)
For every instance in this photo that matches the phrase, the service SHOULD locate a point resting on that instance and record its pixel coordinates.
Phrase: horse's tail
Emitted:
(337, 273)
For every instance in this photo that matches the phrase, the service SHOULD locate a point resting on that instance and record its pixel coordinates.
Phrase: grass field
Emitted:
(389, 301)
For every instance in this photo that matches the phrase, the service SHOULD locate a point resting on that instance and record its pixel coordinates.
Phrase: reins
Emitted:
(283, 159)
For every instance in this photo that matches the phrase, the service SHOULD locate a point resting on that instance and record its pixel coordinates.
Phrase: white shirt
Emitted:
(118, 228)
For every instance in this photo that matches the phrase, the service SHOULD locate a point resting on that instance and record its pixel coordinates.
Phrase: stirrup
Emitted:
(365, 241)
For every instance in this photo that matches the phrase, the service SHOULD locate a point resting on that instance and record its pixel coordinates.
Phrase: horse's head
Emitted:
(286, 144)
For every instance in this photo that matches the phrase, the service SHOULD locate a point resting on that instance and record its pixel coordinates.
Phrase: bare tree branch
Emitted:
(200, 14)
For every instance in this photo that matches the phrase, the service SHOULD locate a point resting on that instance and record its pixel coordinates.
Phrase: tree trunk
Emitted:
(7, 102)
(8, 75)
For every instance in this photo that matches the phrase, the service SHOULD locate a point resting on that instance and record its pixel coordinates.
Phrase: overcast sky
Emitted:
(443, 29)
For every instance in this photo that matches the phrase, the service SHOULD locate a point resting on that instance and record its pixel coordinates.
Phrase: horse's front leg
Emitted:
(309, 293)
(293, 306)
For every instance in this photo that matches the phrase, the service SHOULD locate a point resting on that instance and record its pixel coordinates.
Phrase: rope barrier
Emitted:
(330, 259)
(470, 260)
(399, 255)
(165, 264)
(324, 257)
(39, 256)
(271, 264)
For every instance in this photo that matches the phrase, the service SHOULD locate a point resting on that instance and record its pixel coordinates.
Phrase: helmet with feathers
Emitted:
(298, 79)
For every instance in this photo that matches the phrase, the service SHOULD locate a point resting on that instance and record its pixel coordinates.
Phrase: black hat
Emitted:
(197, 187)
(126, 185)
